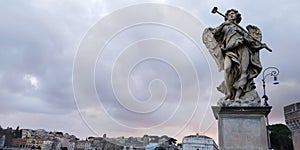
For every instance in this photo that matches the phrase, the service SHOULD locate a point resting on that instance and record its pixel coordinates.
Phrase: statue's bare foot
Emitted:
(227, 97)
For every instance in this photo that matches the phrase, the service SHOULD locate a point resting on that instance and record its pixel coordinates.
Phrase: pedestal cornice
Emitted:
(218, 110)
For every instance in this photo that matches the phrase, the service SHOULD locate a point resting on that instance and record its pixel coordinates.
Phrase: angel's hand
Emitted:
(264, 45)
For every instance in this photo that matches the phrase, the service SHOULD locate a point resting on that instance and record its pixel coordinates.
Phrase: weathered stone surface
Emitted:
(242, 128)
(292, 119)
(250, 98)
(236, 52)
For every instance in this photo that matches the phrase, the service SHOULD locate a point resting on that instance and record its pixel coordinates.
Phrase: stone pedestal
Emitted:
(242, 128)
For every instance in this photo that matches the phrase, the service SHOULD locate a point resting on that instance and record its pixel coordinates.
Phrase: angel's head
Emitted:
(255, 32)
(233, 15)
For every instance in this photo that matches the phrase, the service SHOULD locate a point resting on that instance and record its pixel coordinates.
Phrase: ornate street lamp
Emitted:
(274, 72)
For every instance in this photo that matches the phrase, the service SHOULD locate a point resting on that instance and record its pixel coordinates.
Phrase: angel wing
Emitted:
(213, 48)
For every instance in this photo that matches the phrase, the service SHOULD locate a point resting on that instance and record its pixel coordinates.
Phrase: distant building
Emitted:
(26, 133)
(145, 140)
(2, 141)
(41, 132)
(292, 119)
(154, 139)
(18, 142)
(152, 146)
(83, 145)
(46, 145)
(72, 145)
(198, 142)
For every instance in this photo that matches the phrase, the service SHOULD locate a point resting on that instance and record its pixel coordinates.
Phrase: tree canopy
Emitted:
(281, 137)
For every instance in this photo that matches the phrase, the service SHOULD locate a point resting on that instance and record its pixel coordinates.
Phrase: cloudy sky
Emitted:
(129, 68)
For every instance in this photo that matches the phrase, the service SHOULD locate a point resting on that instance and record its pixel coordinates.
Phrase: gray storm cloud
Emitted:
(41, 38)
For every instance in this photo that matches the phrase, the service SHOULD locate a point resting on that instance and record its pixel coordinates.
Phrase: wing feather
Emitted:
(213, 48)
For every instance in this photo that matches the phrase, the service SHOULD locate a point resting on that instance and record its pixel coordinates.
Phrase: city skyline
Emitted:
(40, 43)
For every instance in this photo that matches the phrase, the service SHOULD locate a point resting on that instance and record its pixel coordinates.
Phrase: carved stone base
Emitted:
(249, 99)
(242, 128)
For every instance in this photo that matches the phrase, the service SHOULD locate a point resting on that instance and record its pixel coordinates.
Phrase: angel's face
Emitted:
(256, 34)
(232, 16)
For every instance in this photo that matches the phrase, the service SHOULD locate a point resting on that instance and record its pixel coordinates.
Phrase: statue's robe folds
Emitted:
(230, 41)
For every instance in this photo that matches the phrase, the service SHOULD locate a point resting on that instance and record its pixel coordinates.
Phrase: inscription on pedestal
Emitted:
(242, 132)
